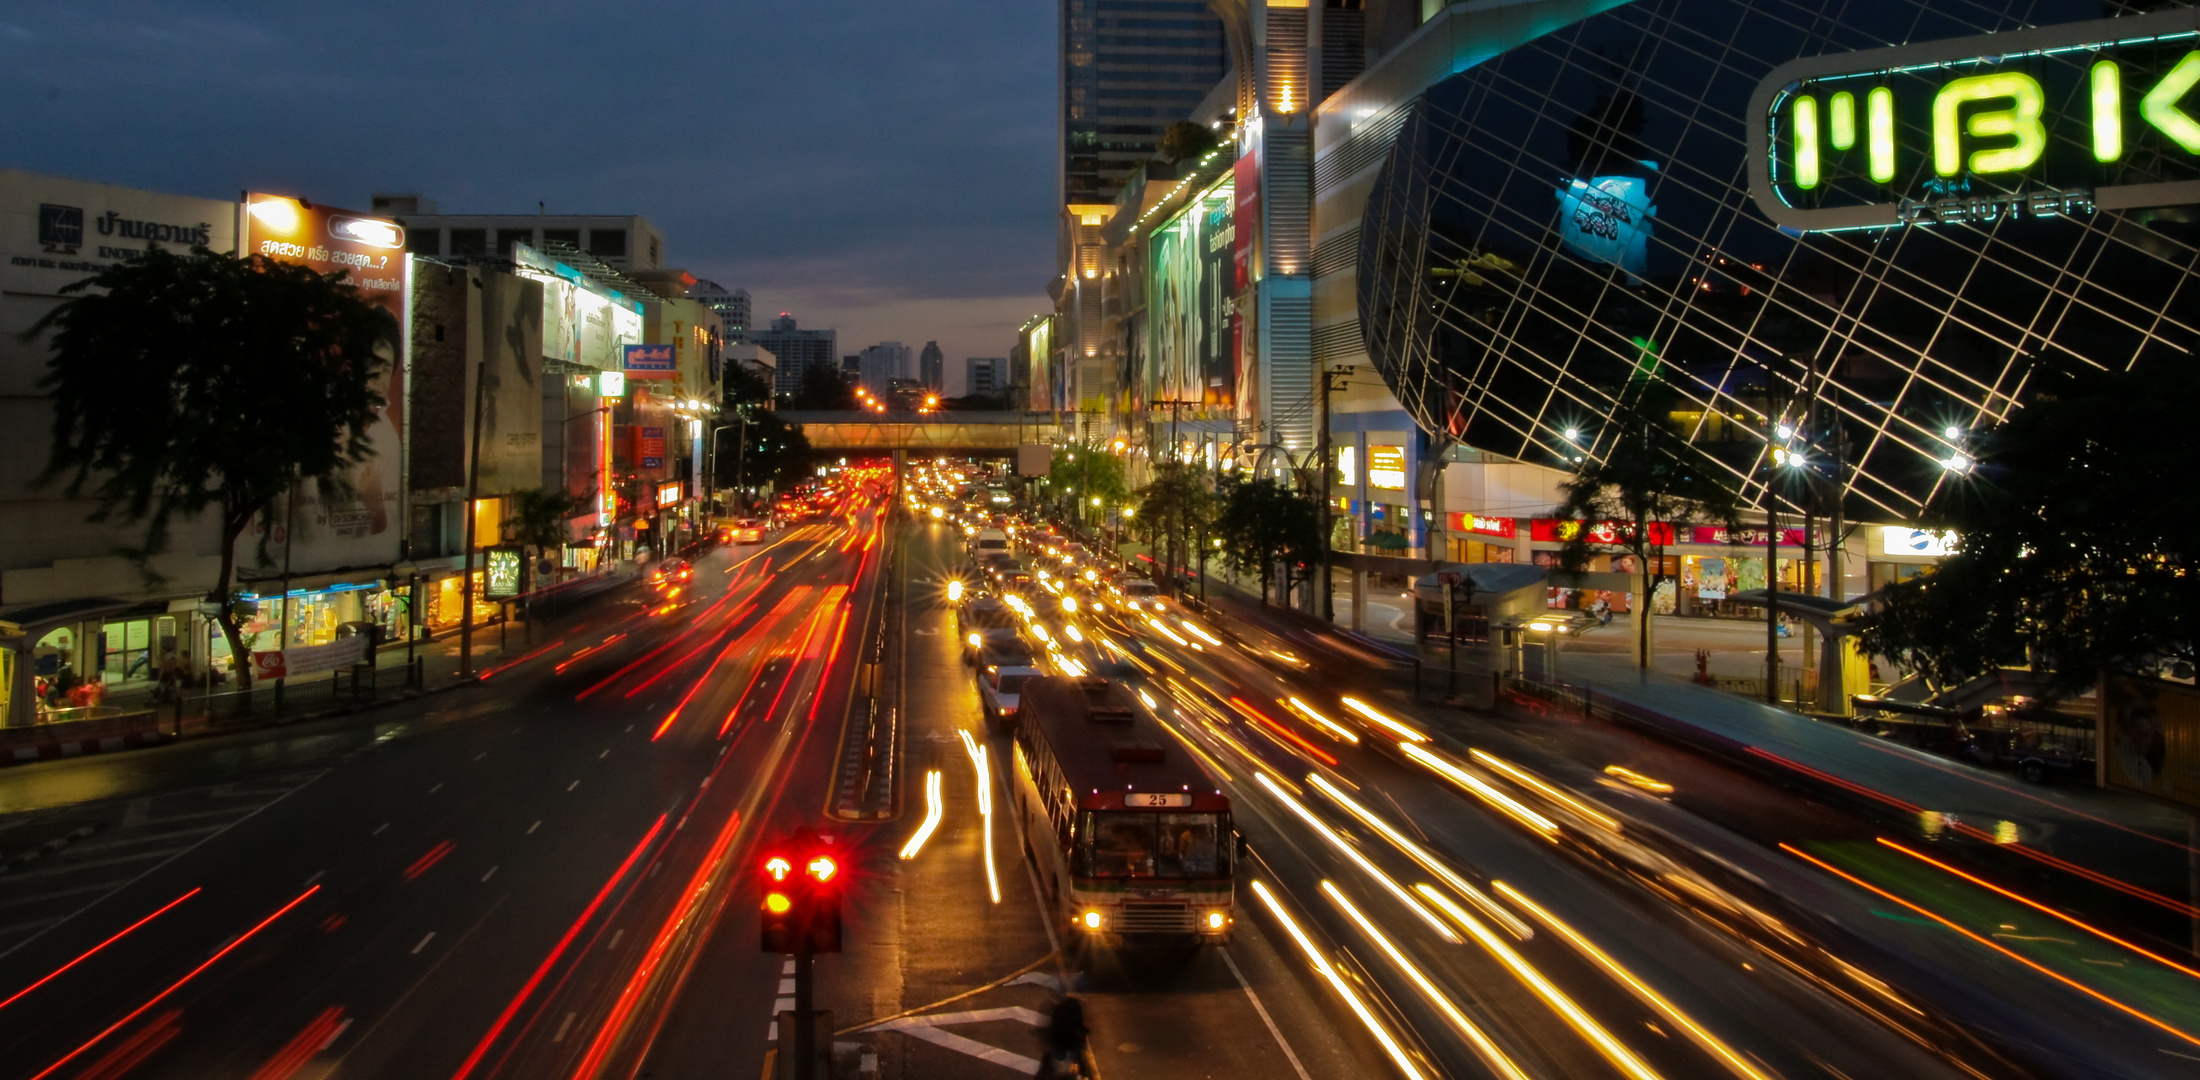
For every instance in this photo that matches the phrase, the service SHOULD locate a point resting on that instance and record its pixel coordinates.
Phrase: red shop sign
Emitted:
(1561, 530)
(1720, 534)
(1486, 526)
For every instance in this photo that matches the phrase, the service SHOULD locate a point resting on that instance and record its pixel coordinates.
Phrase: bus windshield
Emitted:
(1144, 844)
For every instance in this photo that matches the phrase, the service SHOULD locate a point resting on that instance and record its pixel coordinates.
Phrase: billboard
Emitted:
(1192, 355)
(649, 362)
(363, 528)
(582, 322)
(2151, 737)
(1607, 220)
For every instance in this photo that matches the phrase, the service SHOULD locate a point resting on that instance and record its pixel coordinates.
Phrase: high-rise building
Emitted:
(881, 364)
(985, 375)
(797, 349)
(1130, 68)
(932, 367)
(732, 306)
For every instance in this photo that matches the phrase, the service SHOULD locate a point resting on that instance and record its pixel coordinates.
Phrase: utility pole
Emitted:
(473, 491)
(1772, 542)
(1322, 469)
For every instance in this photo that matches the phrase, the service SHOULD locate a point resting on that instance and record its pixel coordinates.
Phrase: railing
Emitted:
(276, 699)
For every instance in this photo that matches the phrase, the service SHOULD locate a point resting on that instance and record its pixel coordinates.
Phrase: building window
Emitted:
(507, 237)
(607, 243)
(465, 242)
(424, 241)
(569, 237)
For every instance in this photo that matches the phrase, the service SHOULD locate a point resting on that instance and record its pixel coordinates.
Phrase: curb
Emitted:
(80, 747)
(54, 751)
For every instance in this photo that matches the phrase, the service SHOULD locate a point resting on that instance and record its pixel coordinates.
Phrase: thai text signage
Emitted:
(1560, 530)
(2049, 122)
(649, 362)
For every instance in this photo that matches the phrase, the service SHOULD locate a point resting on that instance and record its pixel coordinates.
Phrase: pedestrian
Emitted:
(1066, 1034)
(1603, 609)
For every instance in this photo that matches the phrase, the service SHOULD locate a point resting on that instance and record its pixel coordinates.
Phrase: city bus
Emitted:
(1131, 838)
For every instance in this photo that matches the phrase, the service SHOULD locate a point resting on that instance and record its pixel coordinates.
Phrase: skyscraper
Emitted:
(932, 367)
(985, 375)
(1130, 68)
(797, 350)
(732, 306)
(881, 365)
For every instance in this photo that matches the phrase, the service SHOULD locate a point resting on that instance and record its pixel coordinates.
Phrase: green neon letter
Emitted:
(2108, 111)
(1879, 108)
(2020, 120)
(1806, 142)
(1841, 120)
(2159, 107)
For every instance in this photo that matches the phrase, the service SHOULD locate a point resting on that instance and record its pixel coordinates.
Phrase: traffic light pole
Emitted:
(805, 1024)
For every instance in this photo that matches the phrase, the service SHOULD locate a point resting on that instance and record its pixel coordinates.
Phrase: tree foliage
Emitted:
(1177, 507)
(762, 449)
(186, 385)
(1265, 522)
(2076, 540)
(540, 515)
(1080, 474)
(1646, 474)
(1184, 140)
(822, 390)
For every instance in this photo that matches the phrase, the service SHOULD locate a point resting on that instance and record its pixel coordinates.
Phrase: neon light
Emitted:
(2021, 120)
(2159, 107)
(1806, 143)
(1841, 120)
(1879, 120)
(2108, 111)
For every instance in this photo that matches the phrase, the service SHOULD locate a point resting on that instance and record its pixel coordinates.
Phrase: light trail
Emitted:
(934, 808)
(1384, 722)
(985, 808)
(1246, 710)
(1420, 855)
(576, 657)
(177, 985)
(677, 664)
(1488, 1050)
(1613, 1050)
(2033, 904)
(1629, 776)
(1475, 785)
(1199, 633)
(504, 1018)
(1335, 728)
(1367, 867)
(1382, 1035)
(87, 954)
(1536, 784)
(1642, 991)
(521, 660)
(731, 648)
(320, 1032)
(1165, 631)
(1996, 946)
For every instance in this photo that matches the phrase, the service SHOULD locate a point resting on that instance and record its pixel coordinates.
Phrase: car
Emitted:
(671, 574)
(748, 531)
(1138, 594)
(985, 621)
(1000, 687)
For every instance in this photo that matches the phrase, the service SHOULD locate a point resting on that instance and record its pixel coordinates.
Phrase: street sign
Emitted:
(649, 362)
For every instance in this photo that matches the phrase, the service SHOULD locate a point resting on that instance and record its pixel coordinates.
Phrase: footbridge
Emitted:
(854, 431)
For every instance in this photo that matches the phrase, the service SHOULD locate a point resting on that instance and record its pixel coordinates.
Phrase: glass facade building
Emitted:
(1569, 224)
(1130, 68)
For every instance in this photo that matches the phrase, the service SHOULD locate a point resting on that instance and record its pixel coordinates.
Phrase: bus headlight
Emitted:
(1091, 919)
(1216, 920)
(976, 641)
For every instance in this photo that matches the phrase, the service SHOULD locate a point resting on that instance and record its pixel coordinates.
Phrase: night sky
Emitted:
(884, 168)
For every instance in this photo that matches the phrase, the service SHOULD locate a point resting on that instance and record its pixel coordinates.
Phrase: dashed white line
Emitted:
(479, 756)
(316, 877)
(572, 785)
(787, 968)
(379, 829)
(615, 936)
(436, 788)
(786, 986)
(423, 943)
(492, 873)
(606, 753)
(531, 828)
(630, 727)
(564, 1027)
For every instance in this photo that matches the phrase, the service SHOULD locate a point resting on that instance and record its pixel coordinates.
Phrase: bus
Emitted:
(1131, 838)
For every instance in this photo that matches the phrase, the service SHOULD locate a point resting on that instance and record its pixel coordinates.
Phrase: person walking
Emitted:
(1065, 1035)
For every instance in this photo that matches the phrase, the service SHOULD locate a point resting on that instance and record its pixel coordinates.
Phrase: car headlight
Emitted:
(976, 641)
(1217, 920)
(1091, 919)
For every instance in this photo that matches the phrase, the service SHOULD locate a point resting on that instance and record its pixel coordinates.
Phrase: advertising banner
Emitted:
(2151, 738)
(308, 659)
(1924, 543)
(649, 447)
(1386, 467)
(502, 573)
(1720, 534)
(56, 232)
(582, 322)
(364, 528)
(1557, 530)
(1192, 357)
(1484, 526)
(649, 362)
(1607, 220)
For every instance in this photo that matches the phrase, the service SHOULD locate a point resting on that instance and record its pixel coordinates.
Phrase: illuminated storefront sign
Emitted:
(668, 494)
(504, 568)
(1386, 467)
(649, 362)
(1560, 530)
(1485, 526)
(2048, 122)
(1720, 534)
(1925, 543)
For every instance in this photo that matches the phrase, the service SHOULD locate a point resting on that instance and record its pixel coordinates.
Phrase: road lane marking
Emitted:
(479, 756)
(564, 1027)
(1264, 1017)
(786, 986)
(492, 873)
(572, 785)
(436, 788)
(316, 877)
(926, 1028)
(787, 968)
(615, 936)
(531, 828)
(423, 943)
(606, 753)
(379, 829)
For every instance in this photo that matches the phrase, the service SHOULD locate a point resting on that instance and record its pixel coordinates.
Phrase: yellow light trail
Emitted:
(1626, 775)
(1313, 955)
(933, 809)
(1384, 722)
(1483, 1046)
(985, 809)
(1165, 631)
(1428, 862)
(1367, 867)
(1612, 1049)
(1642, 991)
(1201, 634)
(1534, 783)
(1477, 786)
(1305, 710)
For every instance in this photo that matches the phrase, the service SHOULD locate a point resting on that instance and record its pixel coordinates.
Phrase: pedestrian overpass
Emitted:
(857, 432)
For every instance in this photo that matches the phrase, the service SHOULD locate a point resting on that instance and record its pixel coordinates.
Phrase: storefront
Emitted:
(311, 616)
(1900, 552)
(1479, 538)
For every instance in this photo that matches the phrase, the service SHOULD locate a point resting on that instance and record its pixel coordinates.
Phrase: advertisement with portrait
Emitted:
(582, 323)
(362, 527)
(1192, 357)
(2150, 738)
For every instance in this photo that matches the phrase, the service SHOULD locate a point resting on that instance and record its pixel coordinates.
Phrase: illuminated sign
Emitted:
(502, 573)
(2042, 123)
(648, 362)
(1607, 220)
(1926, 543)
(611, 384)
(1562, 530)
(1386, 467)
(1486, 526)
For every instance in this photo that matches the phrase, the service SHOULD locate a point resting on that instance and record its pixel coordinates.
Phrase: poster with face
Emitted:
(363, 529)
(1192, 356)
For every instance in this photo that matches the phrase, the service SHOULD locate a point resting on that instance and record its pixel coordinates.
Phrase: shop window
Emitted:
(607, 243)
(469, 242)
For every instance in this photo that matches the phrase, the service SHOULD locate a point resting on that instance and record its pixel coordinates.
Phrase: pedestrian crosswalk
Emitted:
(56, 864)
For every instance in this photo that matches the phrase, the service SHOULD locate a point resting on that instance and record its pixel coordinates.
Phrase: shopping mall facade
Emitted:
(1522, 215)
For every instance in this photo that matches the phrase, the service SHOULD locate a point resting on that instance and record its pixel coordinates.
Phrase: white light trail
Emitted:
(933, 809)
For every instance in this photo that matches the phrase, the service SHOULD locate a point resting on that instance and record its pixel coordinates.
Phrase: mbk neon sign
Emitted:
(2034, 123)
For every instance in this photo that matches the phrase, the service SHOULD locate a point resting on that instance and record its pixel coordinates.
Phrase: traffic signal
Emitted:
(801, 901)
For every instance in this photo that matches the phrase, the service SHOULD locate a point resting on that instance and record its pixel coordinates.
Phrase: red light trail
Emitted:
(87, 954)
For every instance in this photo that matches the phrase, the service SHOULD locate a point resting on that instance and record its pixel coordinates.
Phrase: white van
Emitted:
(989, 541)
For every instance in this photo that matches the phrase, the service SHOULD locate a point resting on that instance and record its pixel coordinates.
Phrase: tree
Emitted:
(823, 390)
(767, 449)
(2076, 532)
(1265, 522)
(1179, 503)
(1648, 484)
(207, 383)
(1184, 140)
(540, 516)
(1084, 473)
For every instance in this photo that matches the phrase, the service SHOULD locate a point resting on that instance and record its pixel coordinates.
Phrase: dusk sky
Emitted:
(885, 169)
